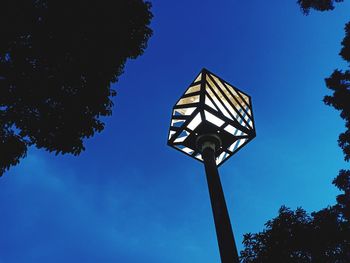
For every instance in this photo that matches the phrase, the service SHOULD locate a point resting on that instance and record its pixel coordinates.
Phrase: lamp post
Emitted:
(211, 122)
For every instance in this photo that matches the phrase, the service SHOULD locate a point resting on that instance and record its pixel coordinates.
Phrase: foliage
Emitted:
(297, 237)
(339, 83)
(319, 5)
(323, 236)
(57, 62)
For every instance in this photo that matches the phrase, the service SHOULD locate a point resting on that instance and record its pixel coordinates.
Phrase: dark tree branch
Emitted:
(57, 62)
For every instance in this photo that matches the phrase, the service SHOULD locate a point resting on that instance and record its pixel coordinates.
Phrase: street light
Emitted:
(211, 122)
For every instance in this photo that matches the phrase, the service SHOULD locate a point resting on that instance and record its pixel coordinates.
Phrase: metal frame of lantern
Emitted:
(212, 105)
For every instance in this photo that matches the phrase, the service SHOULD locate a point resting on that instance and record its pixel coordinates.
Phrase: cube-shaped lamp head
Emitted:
(211, 106)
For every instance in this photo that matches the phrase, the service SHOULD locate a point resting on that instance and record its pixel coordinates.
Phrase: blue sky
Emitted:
(130, 198)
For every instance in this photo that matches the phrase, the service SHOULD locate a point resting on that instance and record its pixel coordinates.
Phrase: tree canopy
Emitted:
(319, 5)
(57, 62)
(339, 83)
(297, 237)
(322, 236)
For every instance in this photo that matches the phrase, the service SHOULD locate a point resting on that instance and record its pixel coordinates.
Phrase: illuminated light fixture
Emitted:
(211, 122)
(212, 106)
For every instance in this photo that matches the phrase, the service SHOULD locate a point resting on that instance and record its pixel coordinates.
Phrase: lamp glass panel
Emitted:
(210, 103)
(177, 123)
(184, 111)
(251, 123)
(229, 128)
(193, 89)
(195, 122)
(245, 97)
(213, 119)
(237, 101)
(237, 105)
(198, 78)
(241, 101)
(184, 149)
(187, 150)
(247, 109)
(221, 157)
(171, 133)
(243, 123)
(184, 134)
(240, 120)
(199, 157)
(222, 101)
(237, 144)
(228, 103)
(224, 89)
(218, 103)
(245, 116)
(233, 146)
(188, 100)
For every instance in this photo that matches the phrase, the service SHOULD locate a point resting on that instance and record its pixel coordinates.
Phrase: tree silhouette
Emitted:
(57, 62)
(339, 83)
(297, 237)
(319, 5)
(323, 236)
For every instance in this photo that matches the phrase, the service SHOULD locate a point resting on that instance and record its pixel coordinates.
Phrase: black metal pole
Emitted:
(227, 246)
